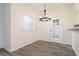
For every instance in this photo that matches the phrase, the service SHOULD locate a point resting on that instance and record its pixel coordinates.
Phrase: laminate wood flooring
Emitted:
(42, 48)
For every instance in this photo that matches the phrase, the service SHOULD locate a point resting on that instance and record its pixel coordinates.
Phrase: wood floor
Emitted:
(42, 48)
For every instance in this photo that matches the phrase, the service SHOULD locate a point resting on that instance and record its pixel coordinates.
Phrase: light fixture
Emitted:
(44, 18)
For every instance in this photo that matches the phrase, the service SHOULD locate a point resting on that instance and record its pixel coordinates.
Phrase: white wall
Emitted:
(19, 37)
(1, 29)
(6, 26)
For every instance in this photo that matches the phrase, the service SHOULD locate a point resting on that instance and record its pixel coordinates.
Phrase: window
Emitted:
(56, 31)
(29, 23)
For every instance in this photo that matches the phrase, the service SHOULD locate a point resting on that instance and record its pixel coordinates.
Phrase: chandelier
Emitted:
(44, 18)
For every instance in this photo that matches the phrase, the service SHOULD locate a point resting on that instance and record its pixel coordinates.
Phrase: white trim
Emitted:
(14, 49)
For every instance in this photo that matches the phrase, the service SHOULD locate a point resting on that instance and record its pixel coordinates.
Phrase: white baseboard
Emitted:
(14, 49)
(9, 50)
(56, 42)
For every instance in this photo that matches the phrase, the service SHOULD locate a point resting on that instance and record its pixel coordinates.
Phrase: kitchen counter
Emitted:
(74, 29)
(75, 39)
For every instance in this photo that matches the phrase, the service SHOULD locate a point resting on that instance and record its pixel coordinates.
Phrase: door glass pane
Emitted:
(56, 30)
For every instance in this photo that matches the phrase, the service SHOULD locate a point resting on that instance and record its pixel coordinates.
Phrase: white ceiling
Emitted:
(40, 6)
